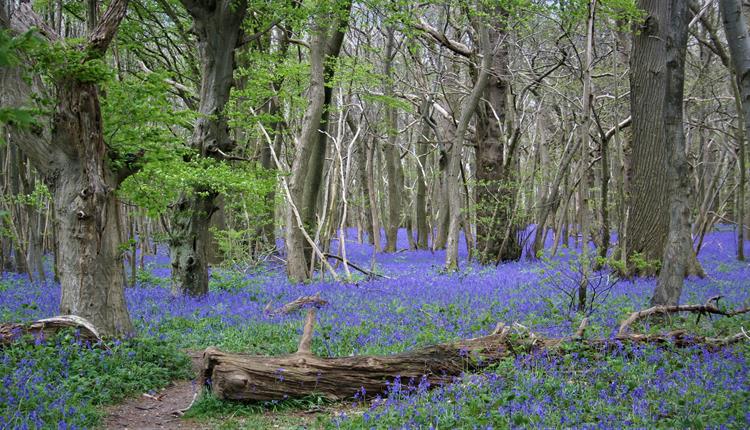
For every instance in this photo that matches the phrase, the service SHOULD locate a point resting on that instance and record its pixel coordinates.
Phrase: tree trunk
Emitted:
(309, 158)
(495, 188)
(252, 378)
(649, 217)
(679, 247)
(738, 40)
(468, 108)
(391, 150)
(649, 210)
(76, 167)
(420, 200)
(218, 29)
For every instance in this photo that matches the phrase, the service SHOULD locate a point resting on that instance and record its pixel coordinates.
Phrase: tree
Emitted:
(738, 40)
(329, 24)
(218, 26)
(650, 78)
(495, 154)
(77, 167)
(673, 18)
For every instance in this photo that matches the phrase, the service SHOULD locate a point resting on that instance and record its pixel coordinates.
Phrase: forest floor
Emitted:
(65, 384)
(161, 410)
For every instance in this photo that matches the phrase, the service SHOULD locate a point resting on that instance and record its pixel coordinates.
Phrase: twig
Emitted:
(181, 412)
(355, 267)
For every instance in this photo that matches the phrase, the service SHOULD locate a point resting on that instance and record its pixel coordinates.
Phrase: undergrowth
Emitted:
(60, 383)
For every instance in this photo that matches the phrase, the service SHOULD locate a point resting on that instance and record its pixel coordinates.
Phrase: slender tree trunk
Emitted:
(309, 158)
(372, 194)
(420, 200)
(585, 145)
(391, 150)
(454, 163)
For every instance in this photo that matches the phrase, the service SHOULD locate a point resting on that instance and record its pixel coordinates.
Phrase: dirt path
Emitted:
(159, 411)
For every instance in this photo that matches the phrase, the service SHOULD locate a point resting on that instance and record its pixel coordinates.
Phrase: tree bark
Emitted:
(738, 40)
(77, 169)
(648, 179)
(307, 168)
(649, 217)
(679, 246)
(252, 378)
(496, 187)
(391, 151)
(468, 108)
(218, 29)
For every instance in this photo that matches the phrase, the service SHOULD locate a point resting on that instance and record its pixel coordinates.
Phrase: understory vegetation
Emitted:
(61, 383)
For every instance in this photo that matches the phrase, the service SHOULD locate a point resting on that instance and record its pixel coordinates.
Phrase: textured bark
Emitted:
(679, 246)
(648, 200)
(360, 154)
(309, 158)
(648, 178)
(420, 201)
(495, 173)
(372, 195)
(218, 29)
(48, 327)
(77, 170)
(738, 40)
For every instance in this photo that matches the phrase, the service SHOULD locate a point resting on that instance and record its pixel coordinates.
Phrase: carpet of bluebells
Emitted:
(415, 304)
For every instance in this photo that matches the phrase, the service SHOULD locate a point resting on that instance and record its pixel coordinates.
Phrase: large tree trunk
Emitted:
(455, 183)
(649, 213)
(77, 169)
(649, 217)
(495, 187)
(218, 28)
(738, 40)
(679, 247)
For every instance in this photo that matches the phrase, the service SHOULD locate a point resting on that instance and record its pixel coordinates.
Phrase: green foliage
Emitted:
(142, 123)
(640, 264)
(66, 61)
(145, 278)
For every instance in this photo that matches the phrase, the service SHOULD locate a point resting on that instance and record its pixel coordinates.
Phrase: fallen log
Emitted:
(48, 327)
(259, 378)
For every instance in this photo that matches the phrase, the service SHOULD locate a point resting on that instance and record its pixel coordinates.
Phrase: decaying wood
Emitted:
(709, 307)
(298, 303)
(48, 327)
(252, 378)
